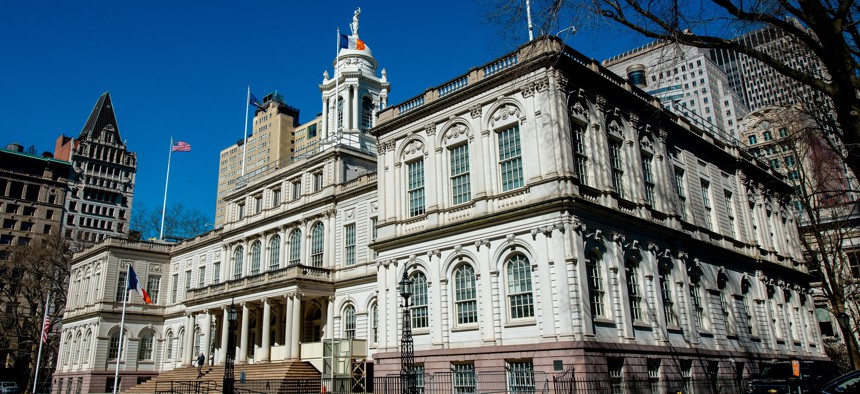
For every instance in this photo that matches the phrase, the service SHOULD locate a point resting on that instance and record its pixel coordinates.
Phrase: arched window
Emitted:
(366, 112)
(374, 323)
(237, 262)
(181, 340)
(616, 164)
(76, 349)
(510, 158)
(113, 346)
(296, 247)
(255, 257)
(274, 253)
(520, 299)
(68, 349)
(418, 308)
(339, 113)
(349, 322)
(85, 346)
(465, 295)
(698, 306)
(144, 350)
(317, 245)
(198, 339)
(169, 338)
(726, 309)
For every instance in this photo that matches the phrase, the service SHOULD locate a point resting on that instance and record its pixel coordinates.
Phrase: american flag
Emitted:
(181, 146)
(45, 329)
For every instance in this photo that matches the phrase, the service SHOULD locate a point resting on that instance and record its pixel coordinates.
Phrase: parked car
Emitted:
(792, 377)
(9, 388)
(845, 384)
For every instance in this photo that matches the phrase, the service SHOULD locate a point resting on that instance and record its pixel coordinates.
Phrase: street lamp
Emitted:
(229, 380)
(407, 351)
(845, 324)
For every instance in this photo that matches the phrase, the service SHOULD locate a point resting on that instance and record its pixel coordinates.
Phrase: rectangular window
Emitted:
(121, 287)
(580, 160)
(595, 288)
(187, 282)
(419, 379)
(510, 159)
(616, 375)
(854, 264)
(241, 211)
(173, 288)
(153, 282)
(730, 211)
(464, 378)
(296, 187)
(617, 165)
(216, 272)
(415, 191)
(373, 226)
(696, 295)
(258, 204)
(682, 194)
(521, 377)
(349, 243)
(648, 177)
(654, 375)
(634, 292)
(460, 185)
(276, 197)
(725, 307)
(706, 202)
(687, 375)
(668, 305)
(201, 276)
(318, 181)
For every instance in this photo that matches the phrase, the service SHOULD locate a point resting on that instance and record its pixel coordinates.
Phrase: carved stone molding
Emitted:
(482, 242)
(475, 111)
(505, 112)
(430, 128)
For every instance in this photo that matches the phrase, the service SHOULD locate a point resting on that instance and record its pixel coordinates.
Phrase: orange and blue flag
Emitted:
(351, 42)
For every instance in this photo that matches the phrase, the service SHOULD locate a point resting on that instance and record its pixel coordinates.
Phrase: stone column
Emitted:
(295, 351)
(329, 319)
(288, 323)
(266, 340)
(188, 348)
(225, 331)
(326, 121)
(207, 334)
(243, 342)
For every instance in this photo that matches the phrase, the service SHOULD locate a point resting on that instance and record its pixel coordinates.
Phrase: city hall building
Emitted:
(554, 219)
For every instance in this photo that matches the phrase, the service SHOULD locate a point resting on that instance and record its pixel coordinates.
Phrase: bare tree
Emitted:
(180, 222)
(827, 29)
(30, 275)
(826, 193)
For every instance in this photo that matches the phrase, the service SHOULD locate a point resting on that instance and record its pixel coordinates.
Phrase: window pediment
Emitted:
(505, 115)
(456, 134)
(413, 149)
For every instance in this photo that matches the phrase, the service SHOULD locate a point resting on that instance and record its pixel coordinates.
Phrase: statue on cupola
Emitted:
(353, 93)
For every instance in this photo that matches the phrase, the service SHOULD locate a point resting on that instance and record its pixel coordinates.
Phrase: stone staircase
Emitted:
(213, 376)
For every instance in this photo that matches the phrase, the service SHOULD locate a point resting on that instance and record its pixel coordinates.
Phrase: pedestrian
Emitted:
(200, 360)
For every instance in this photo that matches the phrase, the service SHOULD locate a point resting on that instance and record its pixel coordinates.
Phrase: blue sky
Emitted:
(180, 68)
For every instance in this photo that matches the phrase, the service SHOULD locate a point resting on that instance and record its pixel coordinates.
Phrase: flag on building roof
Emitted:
(254, 101)
(351, 42)
(134, 284)
(45, 328)
(181, 146)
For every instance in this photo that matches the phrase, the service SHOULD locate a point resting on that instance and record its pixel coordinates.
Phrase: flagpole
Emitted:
(244, 141)
(122, 327)
(336, 86)
(166, 179)
(42, 340)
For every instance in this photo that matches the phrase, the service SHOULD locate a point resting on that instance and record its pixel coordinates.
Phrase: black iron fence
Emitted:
(270, 386)
(485, 382)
